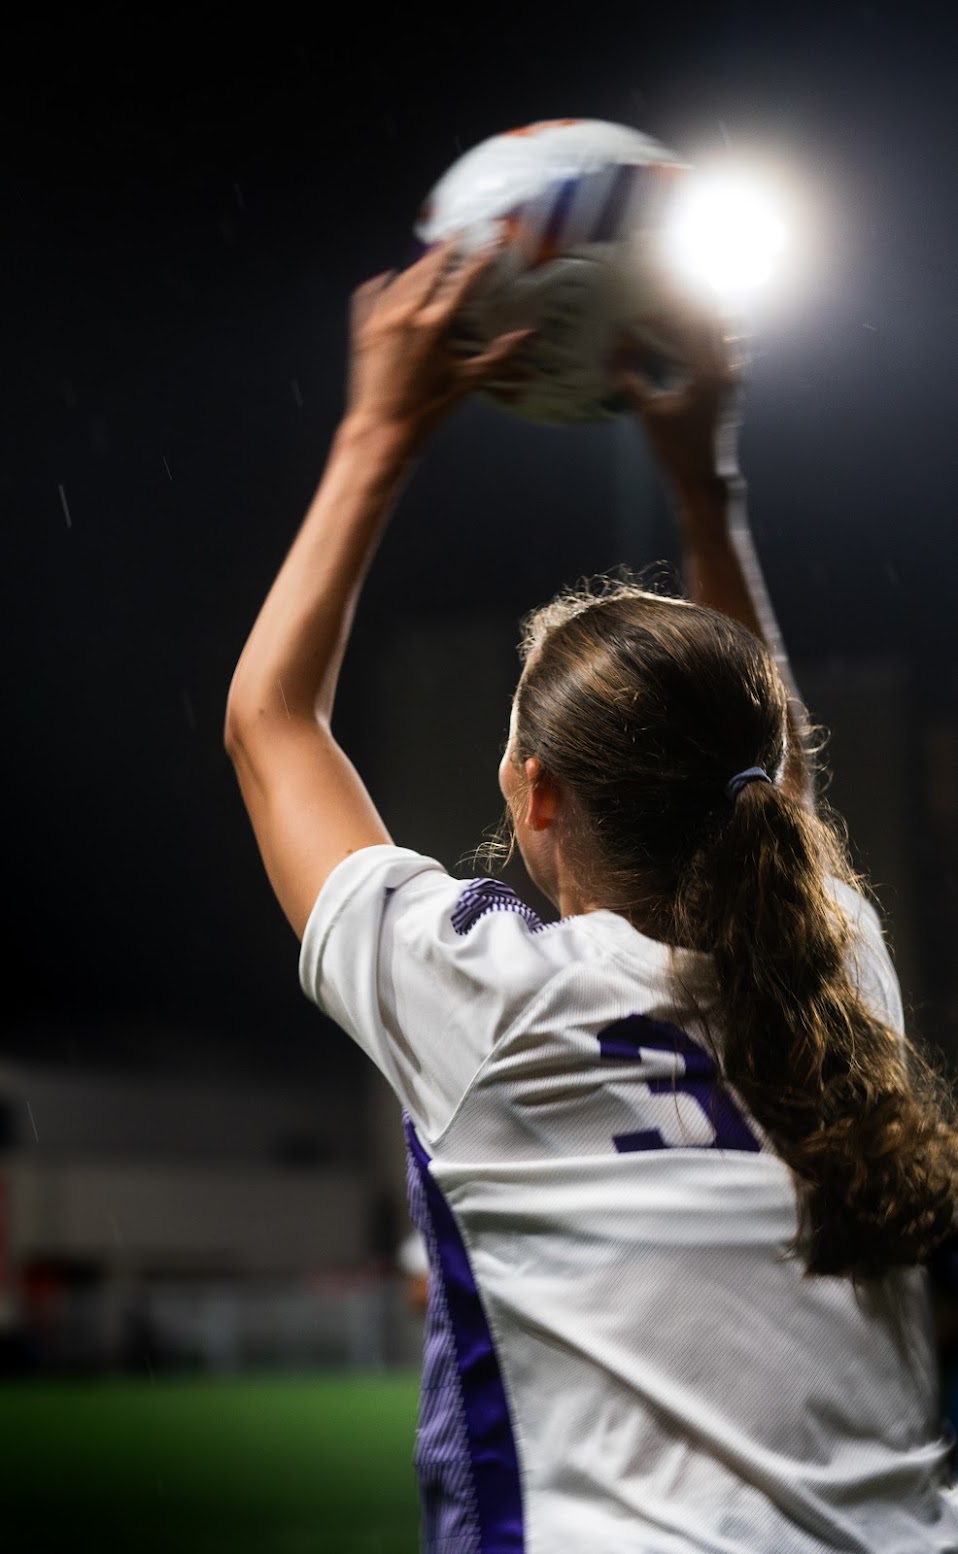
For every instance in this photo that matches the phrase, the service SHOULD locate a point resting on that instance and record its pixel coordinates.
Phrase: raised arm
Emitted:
(692, 432)
(308, 806)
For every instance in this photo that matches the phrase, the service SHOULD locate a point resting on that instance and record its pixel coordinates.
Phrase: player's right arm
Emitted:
(692, 433)
(723, 571)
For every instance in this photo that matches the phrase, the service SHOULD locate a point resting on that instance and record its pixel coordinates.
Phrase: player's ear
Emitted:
(542, 796)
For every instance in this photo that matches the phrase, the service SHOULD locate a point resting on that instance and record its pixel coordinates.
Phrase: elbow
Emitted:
(235, 726)
(234, 716)
(246, 726)
(247, 710)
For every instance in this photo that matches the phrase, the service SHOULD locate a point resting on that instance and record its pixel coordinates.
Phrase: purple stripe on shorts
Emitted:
(495, 1466)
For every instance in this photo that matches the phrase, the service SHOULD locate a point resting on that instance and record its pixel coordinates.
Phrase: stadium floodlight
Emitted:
(725, 233)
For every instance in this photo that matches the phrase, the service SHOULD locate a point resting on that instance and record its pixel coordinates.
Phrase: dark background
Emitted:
(187, 204)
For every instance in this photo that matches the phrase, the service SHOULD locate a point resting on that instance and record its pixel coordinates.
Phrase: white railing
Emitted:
(334, 1322)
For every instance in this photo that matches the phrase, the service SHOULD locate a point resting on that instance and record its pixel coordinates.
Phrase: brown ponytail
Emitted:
(644, 707)
(850, 1106)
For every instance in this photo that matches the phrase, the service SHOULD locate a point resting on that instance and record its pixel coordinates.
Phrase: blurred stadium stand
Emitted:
(155, 1223)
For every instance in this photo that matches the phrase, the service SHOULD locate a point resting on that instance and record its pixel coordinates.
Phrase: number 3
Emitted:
(627, 1039)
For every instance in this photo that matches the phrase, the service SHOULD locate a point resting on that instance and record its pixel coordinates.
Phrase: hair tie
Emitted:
(752, 774)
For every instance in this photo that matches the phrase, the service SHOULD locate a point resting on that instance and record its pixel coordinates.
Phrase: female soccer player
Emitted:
(676, 1164)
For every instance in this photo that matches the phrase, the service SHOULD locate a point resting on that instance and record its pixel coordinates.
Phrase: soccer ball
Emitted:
(583, 205)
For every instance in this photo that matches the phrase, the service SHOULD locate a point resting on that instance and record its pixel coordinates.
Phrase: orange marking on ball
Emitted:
(548, 249)
(533, 129)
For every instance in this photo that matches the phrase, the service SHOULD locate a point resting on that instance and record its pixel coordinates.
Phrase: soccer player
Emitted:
(677, 1166)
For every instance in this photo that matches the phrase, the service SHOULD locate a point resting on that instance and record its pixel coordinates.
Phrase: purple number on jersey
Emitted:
(627, 1039)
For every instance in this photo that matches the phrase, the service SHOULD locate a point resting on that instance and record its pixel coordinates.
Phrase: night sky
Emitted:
(186, 207)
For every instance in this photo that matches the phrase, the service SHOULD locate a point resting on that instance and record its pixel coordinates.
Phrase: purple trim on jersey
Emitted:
(492, 1449)
(449, 1517)
(482, 896)
(627, 1038)
(646, 1138)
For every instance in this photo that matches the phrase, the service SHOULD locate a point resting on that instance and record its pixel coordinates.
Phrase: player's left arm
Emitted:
(307, 804)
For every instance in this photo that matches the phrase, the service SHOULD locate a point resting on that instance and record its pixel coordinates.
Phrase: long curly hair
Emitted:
(643, 707)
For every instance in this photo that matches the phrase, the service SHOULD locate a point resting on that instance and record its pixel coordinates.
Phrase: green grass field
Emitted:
(311, 1465)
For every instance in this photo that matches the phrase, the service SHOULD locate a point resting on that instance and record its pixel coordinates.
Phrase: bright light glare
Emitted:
(725, 233)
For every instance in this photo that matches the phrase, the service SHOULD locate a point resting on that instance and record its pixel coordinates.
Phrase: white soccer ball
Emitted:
(583, 205)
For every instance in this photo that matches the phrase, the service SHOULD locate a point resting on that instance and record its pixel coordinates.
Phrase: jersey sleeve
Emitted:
(423, 971)
(869, 961)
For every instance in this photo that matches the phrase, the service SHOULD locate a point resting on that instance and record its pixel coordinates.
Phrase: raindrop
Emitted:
(167, 468)
(63, 504)
(188, 708)
(297, 395)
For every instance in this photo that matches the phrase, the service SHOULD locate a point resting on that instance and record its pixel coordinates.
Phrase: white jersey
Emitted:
(618, 1359)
